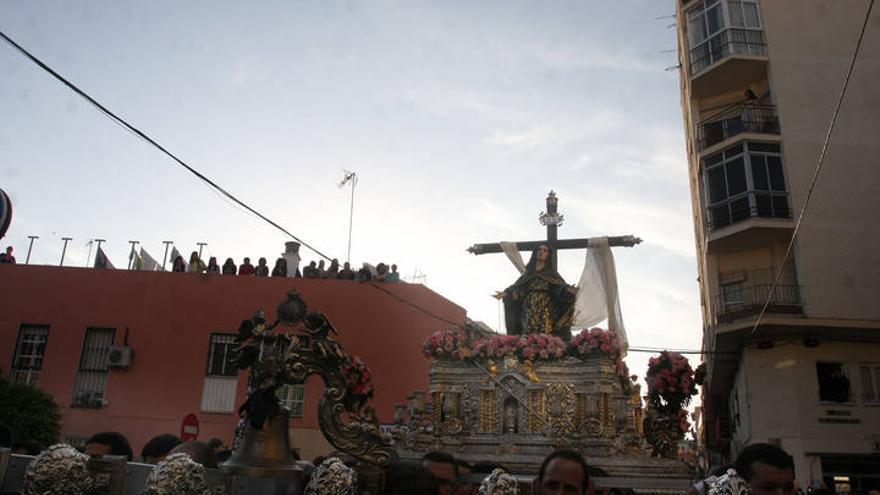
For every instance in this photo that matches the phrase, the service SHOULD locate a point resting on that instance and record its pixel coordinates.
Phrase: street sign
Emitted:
(189, 430)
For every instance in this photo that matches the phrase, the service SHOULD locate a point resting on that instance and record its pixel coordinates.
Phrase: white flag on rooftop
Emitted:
(101, 260)
(148, 263)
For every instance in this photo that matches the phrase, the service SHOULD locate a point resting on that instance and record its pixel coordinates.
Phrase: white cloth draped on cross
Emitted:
(597, 297)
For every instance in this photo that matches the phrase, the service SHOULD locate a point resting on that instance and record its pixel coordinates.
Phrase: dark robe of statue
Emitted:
(539, 301)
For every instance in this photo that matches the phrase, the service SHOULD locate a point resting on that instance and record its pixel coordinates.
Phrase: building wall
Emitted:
(170, 317)
(780, 391)
(810, 48)
(832, 275)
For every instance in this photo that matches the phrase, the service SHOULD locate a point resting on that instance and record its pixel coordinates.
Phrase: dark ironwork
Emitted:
(751, 204)
(730, 41)
(741, 118)
(747, 301)
(276, 358)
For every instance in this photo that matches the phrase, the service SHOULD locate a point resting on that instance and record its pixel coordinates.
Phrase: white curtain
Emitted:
(597, 297)
(513, 255)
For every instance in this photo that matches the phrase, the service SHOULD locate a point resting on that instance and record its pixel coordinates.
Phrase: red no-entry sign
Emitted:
(189, 430)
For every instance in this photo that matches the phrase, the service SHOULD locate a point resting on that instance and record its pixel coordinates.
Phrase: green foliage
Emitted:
(31, 413)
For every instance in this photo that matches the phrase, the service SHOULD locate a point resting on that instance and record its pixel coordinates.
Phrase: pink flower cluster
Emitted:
(444, 343)
(358, 379)
(671, 378)
(595, 341)
(539, 346)
(497, 346)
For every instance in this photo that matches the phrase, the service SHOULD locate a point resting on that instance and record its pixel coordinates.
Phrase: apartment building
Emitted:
(793, 361)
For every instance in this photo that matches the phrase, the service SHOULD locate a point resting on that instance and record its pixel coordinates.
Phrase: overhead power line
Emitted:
(818, 169)
(137, 132)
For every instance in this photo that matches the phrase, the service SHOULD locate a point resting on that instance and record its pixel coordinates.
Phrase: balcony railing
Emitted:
(731, 41)
(750, 204)
(748, 301)
(759, 119)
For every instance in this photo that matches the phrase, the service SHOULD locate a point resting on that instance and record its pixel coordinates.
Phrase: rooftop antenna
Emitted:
(30, 247)
(352, 178)
(64, 249)
(165, 257)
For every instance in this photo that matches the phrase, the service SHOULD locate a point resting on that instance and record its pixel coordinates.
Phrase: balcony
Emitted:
(730, 59)
(739, 301)
(748, 205)
(740, 119)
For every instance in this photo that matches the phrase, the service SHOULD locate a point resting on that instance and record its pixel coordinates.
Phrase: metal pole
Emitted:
(131, 254)
(30, 247)
(91, 244)
(98, 241)
(64, 249)
(201, 245)
(351, 216)
(165, 257)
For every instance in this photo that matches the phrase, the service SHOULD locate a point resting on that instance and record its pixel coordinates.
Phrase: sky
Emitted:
(458, 117)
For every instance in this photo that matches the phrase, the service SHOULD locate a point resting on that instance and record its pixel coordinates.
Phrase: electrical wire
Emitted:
(137, 132)
(815, 177)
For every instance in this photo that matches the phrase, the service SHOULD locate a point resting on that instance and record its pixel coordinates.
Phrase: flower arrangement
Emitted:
(497, 346)
(595, 342)
(446, 344)
(670, 380)
(358, 381)
(539, 346)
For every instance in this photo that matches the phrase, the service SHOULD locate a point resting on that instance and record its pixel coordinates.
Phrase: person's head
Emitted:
(312, 264)
(59, 470)
(216, 444)
(228, 262)
(8, 250)
(199, 452)
(212, 261)
(262, 261)
(767, 468)
(194, 257)
(177, 475)
(541, 259)
(280, 262)
(321, 264)
(346, 265)
(158, 448)
(108, 443)
(247, 261)
(408, 478)
(393, 268)
(334, 262)
(563, 472)
(442, 467)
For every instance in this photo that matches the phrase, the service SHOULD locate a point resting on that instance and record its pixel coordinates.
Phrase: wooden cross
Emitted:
(552, 219)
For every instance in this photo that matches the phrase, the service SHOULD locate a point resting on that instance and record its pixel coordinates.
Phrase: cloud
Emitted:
(553, 136)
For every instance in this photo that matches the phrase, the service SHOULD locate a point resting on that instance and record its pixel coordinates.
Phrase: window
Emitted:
(743, 14)
(221, 380)
(744, 181)
(717, 29)
(94, 368)
(732, 295)
(293, 397)
(29, 351)
(833, 382)
(220, 355)
(870, 374)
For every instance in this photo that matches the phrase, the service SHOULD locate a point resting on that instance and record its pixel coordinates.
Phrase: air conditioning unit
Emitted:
(120, 356)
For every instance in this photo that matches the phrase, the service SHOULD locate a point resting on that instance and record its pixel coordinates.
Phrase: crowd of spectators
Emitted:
(378, 273)
(180, 469)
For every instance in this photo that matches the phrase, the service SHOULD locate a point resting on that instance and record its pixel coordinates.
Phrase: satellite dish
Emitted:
(5, 212)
